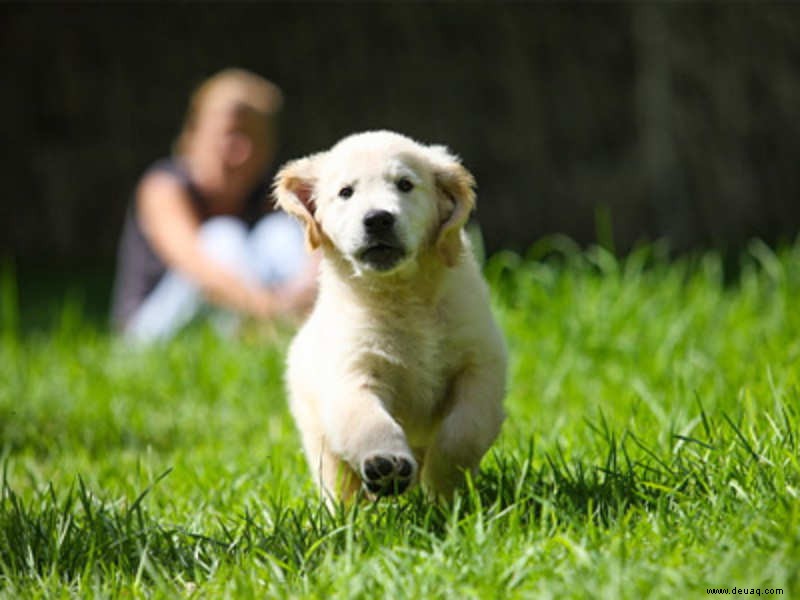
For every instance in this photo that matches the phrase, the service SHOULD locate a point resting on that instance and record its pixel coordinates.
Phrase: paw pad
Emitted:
(387, 474)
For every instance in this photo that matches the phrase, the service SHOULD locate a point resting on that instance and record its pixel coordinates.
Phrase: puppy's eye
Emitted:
(346, 192)
(404, 185)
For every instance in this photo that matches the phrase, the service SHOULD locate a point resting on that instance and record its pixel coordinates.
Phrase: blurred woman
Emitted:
(186, 243)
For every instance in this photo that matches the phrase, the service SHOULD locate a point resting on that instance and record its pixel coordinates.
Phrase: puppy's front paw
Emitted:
(388, 474)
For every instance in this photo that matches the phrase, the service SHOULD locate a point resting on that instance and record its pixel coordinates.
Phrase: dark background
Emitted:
(677, 121)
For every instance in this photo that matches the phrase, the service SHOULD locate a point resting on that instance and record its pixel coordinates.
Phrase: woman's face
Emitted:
(231, 147)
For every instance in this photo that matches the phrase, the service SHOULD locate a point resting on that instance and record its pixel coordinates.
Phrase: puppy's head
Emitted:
(380, 199)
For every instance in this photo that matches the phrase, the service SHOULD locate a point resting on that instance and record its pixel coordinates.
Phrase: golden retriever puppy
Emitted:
(399, 373)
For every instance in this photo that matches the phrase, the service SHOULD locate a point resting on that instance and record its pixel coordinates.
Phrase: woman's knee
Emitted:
(224, 239)
(278, 245)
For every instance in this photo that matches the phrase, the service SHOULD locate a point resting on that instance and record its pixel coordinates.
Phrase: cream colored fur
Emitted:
(398, 375)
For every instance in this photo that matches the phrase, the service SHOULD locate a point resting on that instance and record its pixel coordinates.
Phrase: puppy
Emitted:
(399, 373)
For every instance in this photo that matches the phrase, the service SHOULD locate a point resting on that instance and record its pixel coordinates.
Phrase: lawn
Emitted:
(652, 449)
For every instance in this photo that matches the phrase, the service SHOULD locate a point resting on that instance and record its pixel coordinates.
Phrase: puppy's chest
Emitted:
(408, 365)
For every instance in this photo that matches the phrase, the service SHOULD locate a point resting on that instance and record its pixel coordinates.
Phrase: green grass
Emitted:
(651, 450)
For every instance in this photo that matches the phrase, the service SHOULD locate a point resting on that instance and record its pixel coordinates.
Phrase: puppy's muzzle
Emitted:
(383, 249)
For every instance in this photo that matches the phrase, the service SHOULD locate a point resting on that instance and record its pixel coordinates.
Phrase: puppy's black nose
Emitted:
(378, 221)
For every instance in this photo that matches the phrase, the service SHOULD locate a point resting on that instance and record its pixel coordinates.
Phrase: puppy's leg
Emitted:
(365, 435)
(334, 477)
(468, 429)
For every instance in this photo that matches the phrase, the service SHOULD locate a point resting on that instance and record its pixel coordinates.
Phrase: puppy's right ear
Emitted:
(294, 192)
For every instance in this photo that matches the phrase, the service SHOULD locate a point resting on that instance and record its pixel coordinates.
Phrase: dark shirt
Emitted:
(139, 268)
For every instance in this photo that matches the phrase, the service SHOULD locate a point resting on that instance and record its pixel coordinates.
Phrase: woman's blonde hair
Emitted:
(237, 89)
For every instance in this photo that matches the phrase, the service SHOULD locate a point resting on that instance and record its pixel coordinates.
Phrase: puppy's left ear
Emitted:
(294, 192)
(456, 185)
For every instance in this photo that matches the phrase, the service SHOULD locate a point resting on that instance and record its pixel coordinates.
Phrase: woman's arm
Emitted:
(171, 226)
